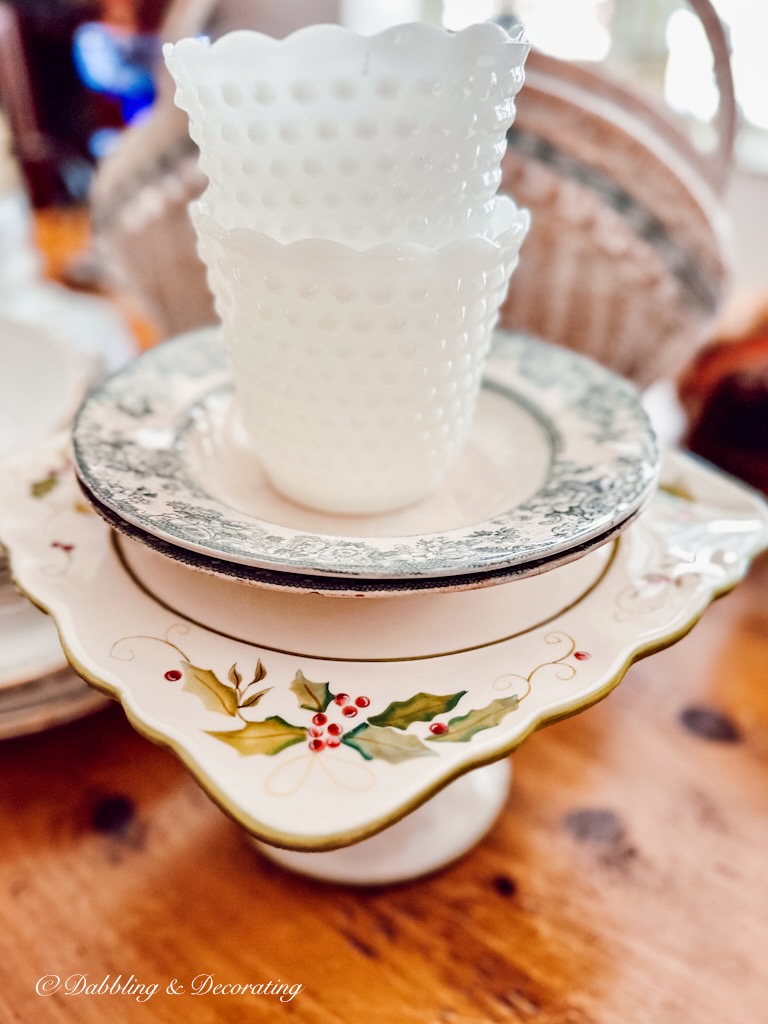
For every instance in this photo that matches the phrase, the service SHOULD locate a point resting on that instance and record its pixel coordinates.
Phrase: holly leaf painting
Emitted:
(311, 696)
(268, 737)
(253, 700)
(259, 672)
(677, 489)
(40, 488)
(372, 741)
(206, 685)
(422, 707)
(463, 728)
(234, 676)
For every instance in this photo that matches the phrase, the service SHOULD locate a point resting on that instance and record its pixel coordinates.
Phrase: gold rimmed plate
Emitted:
(317, 723)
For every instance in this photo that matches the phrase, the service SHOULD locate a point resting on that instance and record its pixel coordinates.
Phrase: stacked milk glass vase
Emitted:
(355, 244)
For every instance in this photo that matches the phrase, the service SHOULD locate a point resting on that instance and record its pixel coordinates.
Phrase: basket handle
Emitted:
(718, 165)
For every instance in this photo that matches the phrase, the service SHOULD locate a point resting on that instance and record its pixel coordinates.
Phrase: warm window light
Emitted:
(571, 29)
(689, 86)
(371, 17)
(581, 30)
(688, 83)
(748, 24)
(458, 14)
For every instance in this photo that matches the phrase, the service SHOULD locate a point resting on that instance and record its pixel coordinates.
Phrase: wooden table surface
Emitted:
(625, 883)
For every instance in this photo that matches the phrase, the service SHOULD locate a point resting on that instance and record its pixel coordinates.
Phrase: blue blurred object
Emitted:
(117, 64)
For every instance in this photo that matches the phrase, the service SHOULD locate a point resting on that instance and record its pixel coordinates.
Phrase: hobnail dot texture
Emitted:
(358, 139)
(358, 373)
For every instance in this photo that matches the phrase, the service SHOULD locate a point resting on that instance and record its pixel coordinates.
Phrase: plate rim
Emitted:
(355, 587)
(77, 374)
(630, 648)
(406, 562)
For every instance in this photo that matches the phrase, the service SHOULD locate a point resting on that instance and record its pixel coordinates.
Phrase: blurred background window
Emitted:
(657, 44)
(87, 70)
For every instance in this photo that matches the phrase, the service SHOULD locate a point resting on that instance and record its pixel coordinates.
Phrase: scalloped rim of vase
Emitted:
(501, 231)
(481, 37)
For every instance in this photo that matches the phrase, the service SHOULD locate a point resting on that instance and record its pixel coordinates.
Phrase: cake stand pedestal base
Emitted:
(430, 838)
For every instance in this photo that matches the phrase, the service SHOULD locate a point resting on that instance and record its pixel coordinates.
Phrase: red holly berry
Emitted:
(334, 729)
(582, 656)
(438, 728)
(349, 711)
(362, 702)
(317, 745)
(341, 699)
(313, 731)
(334, 741)
(320, 719)
(173, 676)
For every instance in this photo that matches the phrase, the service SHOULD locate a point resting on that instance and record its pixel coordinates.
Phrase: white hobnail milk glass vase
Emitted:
(355, 139)
(357, 373)
(355, 245)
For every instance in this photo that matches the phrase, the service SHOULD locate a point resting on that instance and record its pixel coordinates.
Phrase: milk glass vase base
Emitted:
(357, 373)
(355, 245)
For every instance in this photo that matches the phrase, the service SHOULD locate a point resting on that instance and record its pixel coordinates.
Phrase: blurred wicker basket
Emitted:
(624, 260)
(625, 257)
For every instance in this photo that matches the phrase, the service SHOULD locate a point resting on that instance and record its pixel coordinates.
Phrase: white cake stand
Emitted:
(366, 741)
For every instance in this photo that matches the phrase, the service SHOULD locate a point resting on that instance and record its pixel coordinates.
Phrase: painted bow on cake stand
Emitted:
(318, 723)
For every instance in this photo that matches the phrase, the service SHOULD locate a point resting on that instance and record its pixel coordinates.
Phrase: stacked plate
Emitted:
(41, 384)
(359, 444)
(504, 584)
(214, 610)
(561, 459)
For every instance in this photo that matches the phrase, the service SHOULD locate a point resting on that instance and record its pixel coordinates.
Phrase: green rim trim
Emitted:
(348, 837)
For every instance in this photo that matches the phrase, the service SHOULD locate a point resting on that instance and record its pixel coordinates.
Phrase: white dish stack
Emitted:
(54, 344)
(41, 384)
(355, 244)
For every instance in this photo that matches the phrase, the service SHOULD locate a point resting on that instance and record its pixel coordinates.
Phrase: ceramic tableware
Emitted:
(29, 644)
(42, 382)
(315, 734)
(45, 702)
(561, 455)
(340, 586)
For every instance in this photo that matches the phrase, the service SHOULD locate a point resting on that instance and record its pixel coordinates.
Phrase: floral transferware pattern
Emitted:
(350, 586)
(450, 713)
(129, 452)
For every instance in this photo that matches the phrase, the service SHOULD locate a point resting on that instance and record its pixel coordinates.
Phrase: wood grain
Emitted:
(626, 882)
